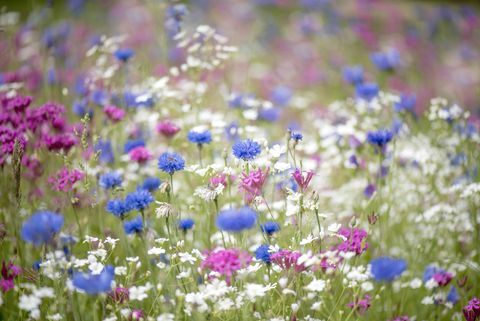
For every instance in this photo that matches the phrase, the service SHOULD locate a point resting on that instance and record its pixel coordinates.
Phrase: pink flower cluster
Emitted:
(287, 260)
(361, 305)
(252, 183)
(140, 154)
(226, 262)
(443, 278)
(472, 310)
(114, 113)
(220, 179)
(64, 180)
(302, 179)
(9, 273)
(355, 240)
(167, 128)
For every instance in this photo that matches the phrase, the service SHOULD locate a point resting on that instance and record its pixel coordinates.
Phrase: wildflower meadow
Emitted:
(272, 160)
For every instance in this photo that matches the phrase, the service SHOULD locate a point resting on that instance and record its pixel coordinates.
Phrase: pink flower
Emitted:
(253, 183)
(64, 180)
(140, 154)
(287, 259)
(226, 262)
(355, 240)
(114, 113)
(167, 128)
(220, 179)
(119, 295)
(9, 273)
(443, 278)
(472, 310)
(303, 180)
(361, 305)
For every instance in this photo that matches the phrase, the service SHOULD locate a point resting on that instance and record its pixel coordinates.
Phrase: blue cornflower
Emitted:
(80, 109)
(366, 91)
(379, 137)
(123, 54)
(99, 97)
(200, 137)
(171, 163)
(386, 61)
(110, 180)
(106, 151)
(407, 103)
(262, 253)
(281, 96)
(231, 130)
(246, 150)
(41, 227)
(151, 184)
(387, 268)
(241, 101)
(270, 227)
(133, 226)
(133, 143)
(369, 190)
(139, 200)
(186, 224)
(271, 114)
(94, 283)
(232, 220)
(353, 75)
(452, 295)
(296, 136)
(118, 208)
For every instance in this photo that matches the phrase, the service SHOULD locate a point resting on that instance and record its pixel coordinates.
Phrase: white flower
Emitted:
(316, 286)
(55, 317)
(139, 292)
(156, 251)
(187, 257)
(427, 300)
(45, 292)
(416, 283)
(29, 302)
(225, 304)
(120, 270)
(253, 290)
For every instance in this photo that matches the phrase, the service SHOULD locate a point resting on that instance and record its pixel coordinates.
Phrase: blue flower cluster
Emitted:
(94, 283)
(246, 150)
(138, 200)
(41, 227)
(118, 208)
(386, 61)
(133, 143)
(186, 224)
(151, 184)
(386, 268)
(270, 227)
(110, 180)
(366, 91)
(262, 253)
(124, 54)
(133, 226)
(353, 75)
(296, 136)
(379, 137)
(200, 138)
(171, 162)
(233, 220)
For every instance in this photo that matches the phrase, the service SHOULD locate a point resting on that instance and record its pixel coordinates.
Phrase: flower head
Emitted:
(354, 242)
(353, 75)
(233, 220)
(200, 137)
(296, 137)
(186, 224)
(41, 227)
(226, 262)
(287, 260)
(114, 113)
(252, 183)
(167, 128)
(472, 310)
(110, 180)
(64, 180)
(124, 54)
(140, 154)
(94, 283)
(387, 268)
(386, 61)
(139, 200)
(118, 208)
(361, 305)
(9, 273)
(270, 227)
(366, 91)
(263, 253)
(171, 162)
(151, 184)
(247, 150)
(133, 226)
(303, 180)
(379, 137)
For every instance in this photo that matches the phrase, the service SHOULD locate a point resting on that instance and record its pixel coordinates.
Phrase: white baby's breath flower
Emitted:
(316, 286)
(120, 270)
(139, 293)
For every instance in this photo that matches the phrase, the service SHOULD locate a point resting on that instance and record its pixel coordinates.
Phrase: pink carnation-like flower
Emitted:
(472, 310)
(361, 305)
(167, 128)
(9, 273)
(355, 240)
(443, 278)
(140, 154)
(252, 183)
(226, 262)
(302, 179)
(119, 294)
(114, 113)
(64, 180)
(220, 179)
(287, 260)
